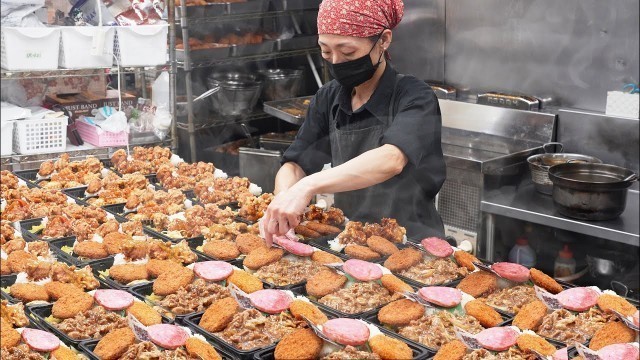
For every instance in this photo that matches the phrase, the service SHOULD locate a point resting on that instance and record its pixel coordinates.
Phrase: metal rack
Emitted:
(186, 20)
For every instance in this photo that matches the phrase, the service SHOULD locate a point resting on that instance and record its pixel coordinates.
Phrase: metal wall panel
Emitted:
(418, 42)
(573, 50)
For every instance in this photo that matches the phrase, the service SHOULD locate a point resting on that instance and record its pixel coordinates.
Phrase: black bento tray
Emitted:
(88, 346)
(31, 176)
(302, 290)
(322, 243)
(5, 282)
(570, 350)
(419, 352)
(40, 313)
(374, 320)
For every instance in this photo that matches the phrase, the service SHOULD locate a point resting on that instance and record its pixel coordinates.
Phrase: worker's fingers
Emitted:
(293, 220)
(283, 225)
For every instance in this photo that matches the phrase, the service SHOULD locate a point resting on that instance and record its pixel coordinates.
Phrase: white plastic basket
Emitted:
(75, 51)
(30, 48)
(7, 137)
(40, 136)
(144, 45)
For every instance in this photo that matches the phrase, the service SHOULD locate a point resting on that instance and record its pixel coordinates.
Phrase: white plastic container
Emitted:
(523, 254)
(40, 136)
(77, 41)
(6, 132)
(160, 91)
(144, 45)
(30, 48)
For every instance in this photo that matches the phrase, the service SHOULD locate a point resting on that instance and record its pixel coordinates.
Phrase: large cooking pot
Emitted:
(281, 84)
(238, 94)
(539, 165)
(590, 191)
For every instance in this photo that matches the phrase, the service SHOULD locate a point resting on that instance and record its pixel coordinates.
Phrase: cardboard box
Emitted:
(83, 103)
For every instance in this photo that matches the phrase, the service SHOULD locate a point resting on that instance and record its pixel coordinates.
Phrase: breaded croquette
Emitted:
(382, 246)
(27, 292)
(400, 312)
(544, 281)
(91, 250)
(323, 257)
(608, 302)
(306, 232)
(64, 353)
(221, 249)
(530, 316)
(453, 350)
(465, 259)
(300, 344)
(484, 313)
(245, 281)
(115, 343)
(300, 308)
(479, 284)
(144, 313)
(156, 267)
(201, 350)
(322, 229)
(528, 342)
(394, 284)
(57, 289)
(71, 305)
(219, 314)
(324, 283)
(613, 332)
(127, 273)
(403, 259)
(262, 257)
(172, 280)
(248, 242)
(361, 252)
(389, 348)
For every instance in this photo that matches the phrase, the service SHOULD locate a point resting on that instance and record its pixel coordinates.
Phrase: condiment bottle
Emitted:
(523, 254)
(565, 264)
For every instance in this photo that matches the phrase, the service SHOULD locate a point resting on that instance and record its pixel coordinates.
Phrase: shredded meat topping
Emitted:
(350, 353)
(357, 298)
(435, 271)
(197, 296)
(20, 352)
(435, 330)
(567, 327)
(513, 353)
(251, 329)
(287, 272)
(511, 299)
(92, 324)
(148, 351)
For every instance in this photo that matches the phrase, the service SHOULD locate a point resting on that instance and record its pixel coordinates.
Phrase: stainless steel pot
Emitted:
(238, 95)
(281, 84)
(539, 166)
(590, 191)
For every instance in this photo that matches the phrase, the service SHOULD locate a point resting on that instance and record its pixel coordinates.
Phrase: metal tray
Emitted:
(284, 5)
(297, 43)
(88, 346)
(266, 47)
(277, 109)
(204, 54)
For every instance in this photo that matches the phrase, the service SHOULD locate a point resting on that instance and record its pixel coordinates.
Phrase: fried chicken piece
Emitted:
(72, 304)
(135, 249)
(46, 169)
(113, 242)
(392, 231)
(5, 269)
(29, 292)
(38, 248)
(14, 245)
(118, 157)
(353, 234)
(38, 270)
(111, 226)
(201, 350)
(9, 337)
(133, 228)
(115, 343)
(18, 260)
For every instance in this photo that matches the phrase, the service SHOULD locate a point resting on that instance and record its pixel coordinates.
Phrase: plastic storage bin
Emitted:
(144, 45)
(40, 136)
(77, 41)
(7, 137)
(29, 48)
(94, 136)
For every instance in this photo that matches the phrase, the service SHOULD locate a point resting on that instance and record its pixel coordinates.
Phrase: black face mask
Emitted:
(355, 72)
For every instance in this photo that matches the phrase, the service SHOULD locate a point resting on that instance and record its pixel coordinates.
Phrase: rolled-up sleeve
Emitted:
(416, 128)
(311, 149)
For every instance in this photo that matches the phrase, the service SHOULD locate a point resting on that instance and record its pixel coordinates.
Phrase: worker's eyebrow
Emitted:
(339, 45)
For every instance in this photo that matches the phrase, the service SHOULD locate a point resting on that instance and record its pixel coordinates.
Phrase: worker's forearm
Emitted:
(289, 174)
(368, 169)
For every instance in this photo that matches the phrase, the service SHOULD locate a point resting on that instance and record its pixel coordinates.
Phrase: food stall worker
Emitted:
(379, 129)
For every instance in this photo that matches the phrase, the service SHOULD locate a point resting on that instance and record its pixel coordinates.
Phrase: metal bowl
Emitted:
(238, 94)
(281, 84)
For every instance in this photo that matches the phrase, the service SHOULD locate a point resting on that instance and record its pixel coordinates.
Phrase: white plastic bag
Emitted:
(20, 13)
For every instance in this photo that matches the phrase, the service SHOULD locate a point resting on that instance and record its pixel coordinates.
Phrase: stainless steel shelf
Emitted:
(524, 203)
(235, 17)
(7, 74)
(218, 120)
(232, 60)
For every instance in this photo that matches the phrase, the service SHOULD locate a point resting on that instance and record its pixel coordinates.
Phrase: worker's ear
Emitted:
(386, 38)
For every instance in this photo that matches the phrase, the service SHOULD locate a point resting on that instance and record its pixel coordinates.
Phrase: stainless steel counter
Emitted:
(524, 203)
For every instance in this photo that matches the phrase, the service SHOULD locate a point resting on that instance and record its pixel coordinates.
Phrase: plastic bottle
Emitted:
(160, 91)
(522, 253)
(565, 264)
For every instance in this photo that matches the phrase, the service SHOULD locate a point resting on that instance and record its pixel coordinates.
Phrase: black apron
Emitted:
(401, 197)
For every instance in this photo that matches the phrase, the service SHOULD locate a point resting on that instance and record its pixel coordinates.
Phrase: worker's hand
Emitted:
(285, 211)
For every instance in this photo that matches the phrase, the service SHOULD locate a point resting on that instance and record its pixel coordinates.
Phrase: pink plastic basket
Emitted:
(89, 133)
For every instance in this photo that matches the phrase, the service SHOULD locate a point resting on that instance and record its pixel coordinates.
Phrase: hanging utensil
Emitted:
(247, 133)
(207, 93)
